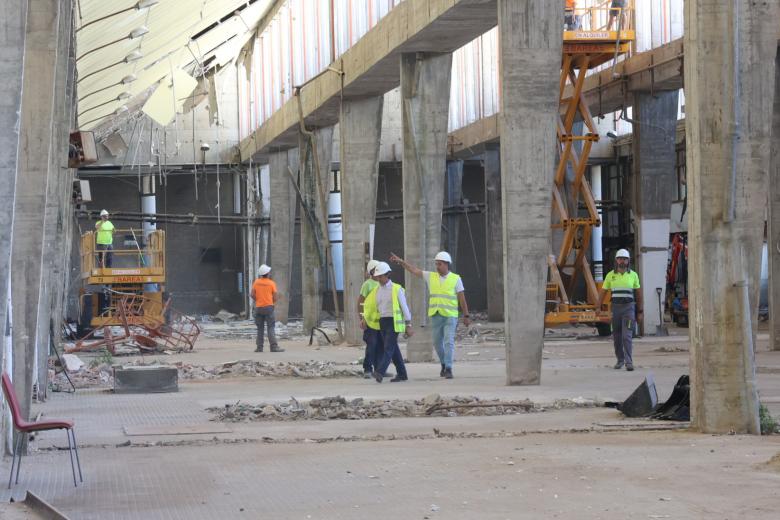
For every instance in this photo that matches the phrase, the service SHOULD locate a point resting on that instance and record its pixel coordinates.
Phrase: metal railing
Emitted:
(600, 17)
(128, 251)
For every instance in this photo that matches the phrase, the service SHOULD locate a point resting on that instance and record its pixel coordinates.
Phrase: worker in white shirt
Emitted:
(385, 310)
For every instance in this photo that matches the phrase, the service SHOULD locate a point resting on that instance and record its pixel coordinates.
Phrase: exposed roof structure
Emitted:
(128, 50)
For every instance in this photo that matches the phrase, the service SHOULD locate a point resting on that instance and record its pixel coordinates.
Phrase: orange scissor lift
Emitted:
(130, 309)
(591, 43)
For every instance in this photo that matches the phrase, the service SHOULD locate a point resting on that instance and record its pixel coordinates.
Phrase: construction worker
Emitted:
(104, 239)
(570, 19)
(617, 10)
(265, 295)
(369, 335)
(446, 294)
(385, 311)
(623, 282)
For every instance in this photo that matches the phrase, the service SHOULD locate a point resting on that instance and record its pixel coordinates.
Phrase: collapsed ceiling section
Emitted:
(148, 55)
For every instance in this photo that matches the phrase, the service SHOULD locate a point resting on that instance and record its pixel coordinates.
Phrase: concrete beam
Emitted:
(494, 261)
(282, 212)
(425, 103)
(310, 252)
(530, 42)
(360, 130)
(370, 67)
(731, 49)
(773, 219)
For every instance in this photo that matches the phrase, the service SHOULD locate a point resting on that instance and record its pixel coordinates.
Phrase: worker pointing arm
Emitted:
(446, 294)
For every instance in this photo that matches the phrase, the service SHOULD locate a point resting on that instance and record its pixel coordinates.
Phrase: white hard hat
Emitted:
(444, 256)
(622, 253)
(381, 268)
(371, 265)
(103, 212)
(263, 270)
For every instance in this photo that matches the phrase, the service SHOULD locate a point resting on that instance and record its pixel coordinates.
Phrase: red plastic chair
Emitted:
(25, 427)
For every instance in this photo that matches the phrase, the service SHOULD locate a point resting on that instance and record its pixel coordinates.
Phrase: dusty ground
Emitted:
(162, 456)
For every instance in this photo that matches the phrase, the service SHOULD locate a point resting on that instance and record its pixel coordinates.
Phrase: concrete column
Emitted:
(425, 102)
(530, 43)
(360, 128)
(655, 161)
(282, 214)
(37, 141)
(773, 220)
(494, 261)
(252, 258)
(730, 50)
(454, 198)
(311, 287)
(12, 72)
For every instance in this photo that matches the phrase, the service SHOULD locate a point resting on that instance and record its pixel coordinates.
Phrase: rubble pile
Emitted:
(251, 368)
(338, 407)
(98, 375)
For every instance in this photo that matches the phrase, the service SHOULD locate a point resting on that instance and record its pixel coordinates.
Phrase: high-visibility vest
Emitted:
(371, 310)
(105, 232)
(443, 298)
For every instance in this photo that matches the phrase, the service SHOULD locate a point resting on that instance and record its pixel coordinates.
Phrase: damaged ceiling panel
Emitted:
(126, 48)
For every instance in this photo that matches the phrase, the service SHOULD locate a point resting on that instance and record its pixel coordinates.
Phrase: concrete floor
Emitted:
(577, 463)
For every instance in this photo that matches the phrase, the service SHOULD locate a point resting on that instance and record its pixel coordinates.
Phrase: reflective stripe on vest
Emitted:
(443, 299)
(371, 310)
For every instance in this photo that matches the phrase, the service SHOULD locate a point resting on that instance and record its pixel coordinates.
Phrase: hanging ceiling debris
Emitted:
(149, 55)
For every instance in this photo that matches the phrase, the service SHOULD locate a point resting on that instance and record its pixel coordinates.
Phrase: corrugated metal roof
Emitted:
(171, 35)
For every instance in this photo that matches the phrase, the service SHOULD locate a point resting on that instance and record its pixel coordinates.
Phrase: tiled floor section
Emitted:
(607, 476)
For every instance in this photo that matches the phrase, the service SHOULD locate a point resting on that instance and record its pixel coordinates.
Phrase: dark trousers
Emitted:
(387, 349)
(264, 318)
(623, 318)
(370, 336)
(105, 257)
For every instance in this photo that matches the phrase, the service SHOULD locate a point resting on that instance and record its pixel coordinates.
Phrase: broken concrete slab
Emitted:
(145, 379)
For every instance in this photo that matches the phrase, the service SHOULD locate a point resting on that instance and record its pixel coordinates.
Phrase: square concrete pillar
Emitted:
(730, 51)
(425, 103)
(282, 215)
(494, 261)
(360, 128)
(774, 219)
(655, 162)
(530, 55)
(311, 252)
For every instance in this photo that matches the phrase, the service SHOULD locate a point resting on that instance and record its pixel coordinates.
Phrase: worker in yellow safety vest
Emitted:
(385, 311)
(446, 293)
(369, 334)
(104, 239)
(623, 282)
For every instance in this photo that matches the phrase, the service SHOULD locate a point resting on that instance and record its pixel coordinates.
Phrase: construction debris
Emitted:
(251, 368)
(329, 408)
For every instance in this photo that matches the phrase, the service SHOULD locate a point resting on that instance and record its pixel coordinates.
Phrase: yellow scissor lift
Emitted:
(585, 47)
(132, 268)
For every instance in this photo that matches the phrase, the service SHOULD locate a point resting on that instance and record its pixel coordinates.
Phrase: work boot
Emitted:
(377, 376)
(259, 349)
(448, 373)
(367, 374)
(618, 365)
(277, 349)
(630, 367)
(398, 379)
(443, 371)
